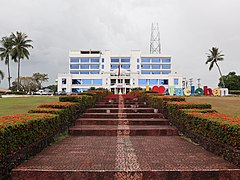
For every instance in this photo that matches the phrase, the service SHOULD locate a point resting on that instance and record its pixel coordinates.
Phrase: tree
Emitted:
(40, 78)
(213, 58)
(1, 75)
(5, 53)
(52, 87)
(232, 81)
(20, 43)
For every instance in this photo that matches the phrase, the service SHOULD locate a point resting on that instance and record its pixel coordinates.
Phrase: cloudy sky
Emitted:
(188, 29)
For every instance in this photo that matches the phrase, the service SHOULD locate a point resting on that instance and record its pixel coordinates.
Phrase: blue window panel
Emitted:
(166, 72)
(165, 82)
(153, 82)
(76, 81)
(74, 60)
(166, 60)
(102, 60)
(64, 90)
(86, 81)
(84, 66)
(94, 72)
(156, 60)
(137, 66)
(137, 60)
(96, 60)
(125, 60)
(166, 66)
(74, 66)
(155, 66)
(84, 72)
(84, 60)
(142, 82)
(156, 72)
(97, 81)
(78, 90)
(125, 66)
(94, 66)
(146, 72)
(115, 60)
(74, 72)
(145, 66)
(145, 59)
(161, 81)
(175, 81)
(114, 66)
(102, 66)
(64, 81)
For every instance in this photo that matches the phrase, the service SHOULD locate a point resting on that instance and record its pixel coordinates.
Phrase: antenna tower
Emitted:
(155, 46)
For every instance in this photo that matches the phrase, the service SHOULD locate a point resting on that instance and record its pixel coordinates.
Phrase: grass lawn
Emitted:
(21, 105)
(226, 105)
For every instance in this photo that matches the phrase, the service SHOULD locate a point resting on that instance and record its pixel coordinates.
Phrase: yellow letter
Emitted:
(187, 92)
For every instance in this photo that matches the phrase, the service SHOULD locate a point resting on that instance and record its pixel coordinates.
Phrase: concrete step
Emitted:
(116, 105)
(126, 103)
(123, 115)
(123, 110)
(125, 130)
(97, 121)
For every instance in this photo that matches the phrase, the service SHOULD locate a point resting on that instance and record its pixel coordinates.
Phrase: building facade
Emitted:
(118, 73)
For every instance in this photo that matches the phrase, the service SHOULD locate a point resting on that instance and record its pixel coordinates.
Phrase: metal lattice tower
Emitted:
(155, 46)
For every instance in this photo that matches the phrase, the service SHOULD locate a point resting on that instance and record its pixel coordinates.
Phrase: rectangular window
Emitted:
(102, 66)
(74, 72)
(137, 60)
(166, 72)
(74, 66)
(145, 66)
(102, 60)
(94, 72)
(146, 72)
(84, 60)
(76, 81)
(137, 66)
(84, 66)
(165, 82)
(64, 81)
(94, 66)
(156, 72)
(145, 60)
(97, 82)
(84, 72)
(166, 66)
(175, 81)
(74, 60)
(156, 60)
(113, 81)
(125, 66)
(124, 60)
(64, 90)
(127, 81)
(155, 66)
(114, 60)
(94, 60)
(78, 90)
(166, 60)
(153, 82)
(142, 82)
(86, 81)
(114, 66)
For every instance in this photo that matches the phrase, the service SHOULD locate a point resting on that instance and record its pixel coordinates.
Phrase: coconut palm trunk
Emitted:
(18, 79)
(9, 75)
(220, 74)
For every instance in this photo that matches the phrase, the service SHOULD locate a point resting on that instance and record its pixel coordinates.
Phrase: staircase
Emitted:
(124, 139)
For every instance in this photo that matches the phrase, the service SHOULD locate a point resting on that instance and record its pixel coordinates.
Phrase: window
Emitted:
(96, 60)
(64, 81)
(166, 72)
(102, 66)
(145, 59)
(142, 82)
(155, 66)
(125, 60)
(161, 81)
(125, 66)
(102, 60)
(94, 66)
(84, 60)
(175, 81)
(76, 81)
(64, 89)
(94, 72)
(165, 82)
(78, 90)
(86, 81)
(153, 82)
(156, 72)
(114, 66)
(84, 72)
(127, 81)
(166, 60)
(114, 60)
(137, 66)
(145, 66)
(74, 72)
(156, 60)
(84, 66)
(74, 60)
(166, 66)
(74, 66)
(97, 81)
(146, 72)
(113, 81)
(137, 60)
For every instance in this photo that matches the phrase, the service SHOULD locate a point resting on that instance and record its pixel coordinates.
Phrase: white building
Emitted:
(118, 73)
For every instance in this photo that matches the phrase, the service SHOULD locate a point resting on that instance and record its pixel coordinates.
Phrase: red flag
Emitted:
(119, 69)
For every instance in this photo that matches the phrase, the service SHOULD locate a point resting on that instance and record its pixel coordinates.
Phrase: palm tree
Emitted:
(5, 53)
(213, 58)
(20, 43)
(1, 75)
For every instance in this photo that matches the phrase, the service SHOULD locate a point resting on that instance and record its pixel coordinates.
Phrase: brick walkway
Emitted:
(124, 147)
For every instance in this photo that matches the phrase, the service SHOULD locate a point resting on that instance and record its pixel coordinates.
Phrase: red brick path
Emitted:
(115, 145)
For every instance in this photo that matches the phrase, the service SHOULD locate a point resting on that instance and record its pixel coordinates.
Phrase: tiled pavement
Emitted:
(123, 155)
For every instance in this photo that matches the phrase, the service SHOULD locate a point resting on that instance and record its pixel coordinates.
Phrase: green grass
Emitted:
(21, 105)
(226, 105)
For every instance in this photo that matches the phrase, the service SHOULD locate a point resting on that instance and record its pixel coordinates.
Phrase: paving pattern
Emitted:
(128, 153)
